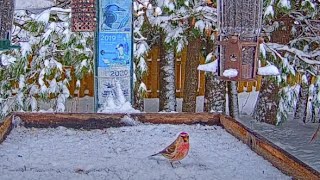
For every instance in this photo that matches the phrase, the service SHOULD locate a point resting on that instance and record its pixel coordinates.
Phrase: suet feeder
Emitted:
(6, 18)
(83, 15)
(238, 45)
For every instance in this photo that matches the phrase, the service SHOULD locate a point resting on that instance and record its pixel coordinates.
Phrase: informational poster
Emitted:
(115, 16)
(114, 49)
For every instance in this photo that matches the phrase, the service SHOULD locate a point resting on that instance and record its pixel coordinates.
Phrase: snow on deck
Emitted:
(293, 136)
(123, 153)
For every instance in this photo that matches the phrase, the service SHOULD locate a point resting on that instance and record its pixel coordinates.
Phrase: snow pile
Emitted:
(269, 70)
(111, 107)
(230, 73)
(285, 4)
(269, 11)
(129, 121)
(34, 4)
(124, 153)
(209, 67)
(116, 102)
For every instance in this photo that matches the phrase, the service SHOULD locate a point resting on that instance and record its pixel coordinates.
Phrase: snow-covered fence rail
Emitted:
(281, 159)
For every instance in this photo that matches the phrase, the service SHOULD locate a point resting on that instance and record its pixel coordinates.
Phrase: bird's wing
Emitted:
(169, 151)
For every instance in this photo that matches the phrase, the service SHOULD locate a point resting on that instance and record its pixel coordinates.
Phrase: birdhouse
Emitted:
(6, 18)
(83, 15)
(238, 44)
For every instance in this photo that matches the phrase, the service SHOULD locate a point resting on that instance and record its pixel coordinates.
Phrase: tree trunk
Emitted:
(167, 94)
(301, 109)
(215, 94)
(191, 76)
(233, 99)
(268, 102)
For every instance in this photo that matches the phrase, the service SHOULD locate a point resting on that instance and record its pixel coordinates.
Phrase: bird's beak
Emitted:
(185, 138)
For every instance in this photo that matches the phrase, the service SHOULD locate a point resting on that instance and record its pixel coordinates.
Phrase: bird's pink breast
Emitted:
(182, 151)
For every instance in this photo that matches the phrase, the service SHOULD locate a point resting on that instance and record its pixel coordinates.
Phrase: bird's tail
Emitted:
(155, 154)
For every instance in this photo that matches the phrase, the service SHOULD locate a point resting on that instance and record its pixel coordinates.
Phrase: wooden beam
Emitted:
(178, 118)
(99, 121)
(71, 120)
(281, 159)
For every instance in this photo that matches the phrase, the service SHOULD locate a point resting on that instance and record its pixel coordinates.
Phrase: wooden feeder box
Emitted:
(6, 18)
(238, 45)
(83, 15)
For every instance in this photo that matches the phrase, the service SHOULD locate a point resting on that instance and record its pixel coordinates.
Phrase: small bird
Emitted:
(177, 150)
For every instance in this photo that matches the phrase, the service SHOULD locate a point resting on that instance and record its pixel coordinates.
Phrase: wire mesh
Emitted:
(83, 15)
(240, 17)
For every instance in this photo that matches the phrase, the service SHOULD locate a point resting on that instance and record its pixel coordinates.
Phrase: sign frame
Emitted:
(109, 54)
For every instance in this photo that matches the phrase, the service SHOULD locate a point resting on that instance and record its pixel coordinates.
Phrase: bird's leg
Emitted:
(171, 164)
(179, 162)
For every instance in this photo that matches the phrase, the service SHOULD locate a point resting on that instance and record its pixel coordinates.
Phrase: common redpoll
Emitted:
(177, 150)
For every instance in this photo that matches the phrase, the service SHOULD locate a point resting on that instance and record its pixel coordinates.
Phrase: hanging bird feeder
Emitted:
(83, 15)
(238, 45)
(6, 18)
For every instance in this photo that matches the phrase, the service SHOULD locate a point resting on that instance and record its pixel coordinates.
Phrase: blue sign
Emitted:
(115, 16)
(114, 50)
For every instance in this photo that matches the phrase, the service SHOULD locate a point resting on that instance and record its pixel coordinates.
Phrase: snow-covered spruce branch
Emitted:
(307, 38)
(306, 57)
(40, 64)
(305, 21)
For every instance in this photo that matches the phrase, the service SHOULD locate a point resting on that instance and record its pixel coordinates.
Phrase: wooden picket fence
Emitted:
(152, 78)
(86, 86)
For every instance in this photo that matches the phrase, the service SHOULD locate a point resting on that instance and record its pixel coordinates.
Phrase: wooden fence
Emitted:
(152, 78)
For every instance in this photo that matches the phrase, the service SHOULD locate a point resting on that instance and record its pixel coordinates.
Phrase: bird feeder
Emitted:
(83, 15)
(238, 45)
(6, 18)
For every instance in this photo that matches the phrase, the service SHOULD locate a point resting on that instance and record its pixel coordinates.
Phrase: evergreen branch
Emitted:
(307, 38)
(274, 47)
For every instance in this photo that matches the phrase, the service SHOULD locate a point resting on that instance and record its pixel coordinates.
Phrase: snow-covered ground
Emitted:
(123, 153)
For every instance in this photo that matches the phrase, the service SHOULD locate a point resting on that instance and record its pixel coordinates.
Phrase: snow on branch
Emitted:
(306, 57)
